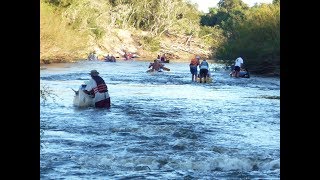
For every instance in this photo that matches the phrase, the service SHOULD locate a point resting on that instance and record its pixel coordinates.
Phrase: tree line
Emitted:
(253, 33)
(231, 29)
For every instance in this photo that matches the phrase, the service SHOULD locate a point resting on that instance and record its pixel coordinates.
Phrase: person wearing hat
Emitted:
(194, 67)
(98, 88)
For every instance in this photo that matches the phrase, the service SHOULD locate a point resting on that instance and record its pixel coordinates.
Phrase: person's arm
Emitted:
(87, 92)
(89, 87)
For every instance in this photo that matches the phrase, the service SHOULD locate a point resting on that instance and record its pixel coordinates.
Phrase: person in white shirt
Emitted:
(98, 88)
(237, 66)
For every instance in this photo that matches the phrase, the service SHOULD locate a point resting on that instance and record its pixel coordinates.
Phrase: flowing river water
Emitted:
(161, 125)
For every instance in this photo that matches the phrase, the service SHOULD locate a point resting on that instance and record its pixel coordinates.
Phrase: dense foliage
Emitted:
(253, 33)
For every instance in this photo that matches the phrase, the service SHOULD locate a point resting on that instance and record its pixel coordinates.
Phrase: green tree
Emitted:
(209, 19)
(276, 2)
(256, 38)
(231, 5)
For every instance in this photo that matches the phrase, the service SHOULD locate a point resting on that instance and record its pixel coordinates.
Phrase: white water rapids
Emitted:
(160, 126)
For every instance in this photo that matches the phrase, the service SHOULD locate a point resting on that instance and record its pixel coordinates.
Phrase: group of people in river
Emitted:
(110, 58)
(98, 90)
(238, 69)
(204, 69)
(94, 57)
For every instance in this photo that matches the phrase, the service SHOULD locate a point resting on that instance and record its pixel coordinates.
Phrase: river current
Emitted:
(160, 125)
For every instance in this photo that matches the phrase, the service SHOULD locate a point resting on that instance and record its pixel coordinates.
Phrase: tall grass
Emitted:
(58, 41)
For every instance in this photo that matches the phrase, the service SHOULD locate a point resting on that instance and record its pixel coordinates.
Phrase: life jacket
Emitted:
(101, 85)
(194, 62)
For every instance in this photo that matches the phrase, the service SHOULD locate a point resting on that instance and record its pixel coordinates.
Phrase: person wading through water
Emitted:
(98, 88)
(194, 67)
(156, 66)
(204, 68)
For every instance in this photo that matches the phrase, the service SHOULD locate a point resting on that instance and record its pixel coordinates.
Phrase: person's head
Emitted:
(198, 57)
(94, 73)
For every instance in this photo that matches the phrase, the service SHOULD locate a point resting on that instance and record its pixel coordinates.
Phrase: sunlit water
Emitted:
(160, 126)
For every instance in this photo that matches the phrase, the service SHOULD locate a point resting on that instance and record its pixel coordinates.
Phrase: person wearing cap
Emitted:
(204, 68)
(194, 67)
(98, 88)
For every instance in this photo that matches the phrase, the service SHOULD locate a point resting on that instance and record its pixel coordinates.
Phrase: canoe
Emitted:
(82, 99)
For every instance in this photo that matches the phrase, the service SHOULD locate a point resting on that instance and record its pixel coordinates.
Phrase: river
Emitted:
(161, 125)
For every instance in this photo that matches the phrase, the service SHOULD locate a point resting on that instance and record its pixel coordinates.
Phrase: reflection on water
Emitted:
(161, 125)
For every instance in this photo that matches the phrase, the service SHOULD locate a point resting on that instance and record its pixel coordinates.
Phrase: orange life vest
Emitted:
(194, 62)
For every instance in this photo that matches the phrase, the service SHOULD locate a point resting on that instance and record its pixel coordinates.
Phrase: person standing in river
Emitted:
(98, 88)
(204, 68)
(237, 66)
(194, 67)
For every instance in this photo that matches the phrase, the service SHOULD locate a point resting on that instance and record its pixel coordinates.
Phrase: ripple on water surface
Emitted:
(160, 126)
